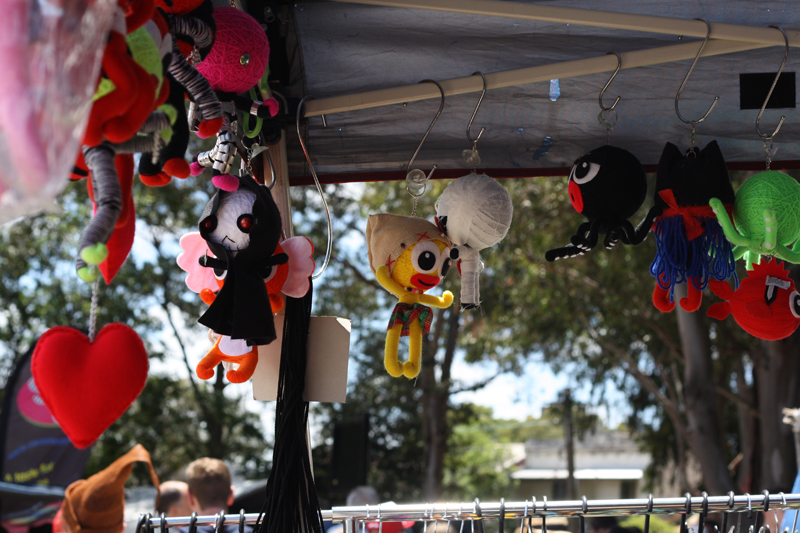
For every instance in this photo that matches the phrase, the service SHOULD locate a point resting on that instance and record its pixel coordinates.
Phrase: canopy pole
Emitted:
(522, 76)
(599, 19)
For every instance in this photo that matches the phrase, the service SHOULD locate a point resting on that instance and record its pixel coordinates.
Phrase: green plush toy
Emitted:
(767, 216)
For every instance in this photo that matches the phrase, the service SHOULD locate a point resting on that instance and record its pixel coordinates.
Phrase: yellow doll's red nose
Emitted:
(424, 281)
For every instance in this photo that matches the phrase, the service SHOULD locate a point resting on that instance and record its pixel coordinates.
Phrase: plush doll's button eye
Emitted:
(245, 222)
(794, 304)
(585, 172)
(445, 267)
(245, 59)
(209, 224)
(425, 257)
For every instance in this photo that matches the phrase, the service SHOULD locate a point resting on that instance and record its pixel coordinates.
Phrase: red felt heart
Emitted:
(88, 385)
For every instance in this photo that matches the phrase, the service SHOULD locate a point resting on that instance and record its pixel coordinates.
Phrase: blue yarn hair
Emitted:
(679, 260)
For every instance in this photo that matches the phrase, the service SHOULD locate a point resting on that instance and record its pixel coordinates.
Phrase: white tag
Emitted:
(326, 366)
(778, 282)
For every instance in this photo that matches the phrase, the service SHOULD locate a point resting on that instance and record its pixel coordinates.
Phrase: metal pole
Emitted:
(591, 17)
(522, 76)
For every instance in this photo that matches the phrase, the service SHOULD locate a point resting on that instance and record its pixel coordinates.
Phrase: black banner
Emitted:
(33, 452)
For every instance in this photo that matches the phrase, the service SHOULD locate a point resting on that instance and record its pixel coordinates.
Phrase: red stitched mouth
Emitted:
(575, 196)
(424, 282)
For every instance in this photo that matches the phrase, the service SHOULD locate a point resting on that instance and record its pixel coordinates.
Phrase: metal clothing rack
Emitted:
(534, 508)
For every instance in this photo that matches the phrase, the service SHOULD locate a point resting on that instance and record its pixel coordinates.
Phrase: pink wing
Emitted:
(301, 266)
(194, 247)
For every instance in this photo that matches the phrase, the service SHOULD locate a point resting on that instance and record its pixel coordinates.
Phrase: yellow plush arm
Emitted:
(387, 282)
(444, 301)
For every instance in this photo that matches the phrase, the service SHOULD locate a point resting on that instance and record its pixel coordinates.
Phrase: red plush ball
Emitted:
(240, 54)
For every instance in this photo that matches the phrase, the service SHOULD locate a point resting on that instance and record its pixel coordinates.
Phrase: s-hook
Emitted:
(416, 179)
(144, 520)
(241, 520)
(164, 528)
(479, 514)
(694, 123)
(329, 249)
(525, 520)
(470, 155)
(605, 115)
(769, 137)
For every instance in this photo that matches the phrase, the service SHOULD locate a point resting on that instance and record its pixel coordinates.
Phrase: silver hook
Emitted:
(603, 90)
(380, 520)
(678, 95)
(417, 177)
(460, 517)
(774, 82)
(584, 509)
(329, 249)
(480, 100)
(649, 510)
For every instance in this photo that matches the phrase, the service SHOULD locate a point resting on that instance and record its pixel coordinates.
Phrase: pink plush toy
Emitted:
(238, 60)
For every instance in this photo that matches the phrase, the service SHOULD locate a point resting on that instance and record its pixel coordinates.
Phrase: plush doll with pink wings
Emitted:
(290, 278)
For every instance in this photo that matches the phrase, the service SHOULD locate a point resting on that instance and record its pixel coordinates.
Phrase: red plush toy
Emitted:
(126, 92)
(766, 304)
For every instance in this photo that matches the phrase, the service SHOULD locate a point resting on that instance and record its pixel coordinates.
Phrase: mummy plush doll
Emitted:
(242, 227)
(475, 213)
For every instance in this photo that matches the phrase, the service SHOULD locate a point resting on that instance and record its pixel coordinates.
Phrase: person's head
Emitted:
(210, 489)
(174, 499)
(363, 495)
(97, 504)
(603, 524)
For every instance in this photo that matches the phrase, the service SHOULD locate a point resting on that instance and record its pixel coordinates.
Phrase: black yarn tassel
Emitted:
(291, 504)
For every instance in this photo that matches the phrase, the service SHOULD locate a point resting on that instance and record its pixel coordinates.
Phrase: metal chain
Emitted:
(768, 150)
(93, 311)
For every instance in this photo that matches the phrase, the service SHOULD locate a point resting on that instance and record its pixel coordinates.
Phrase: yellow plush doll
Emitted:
(408, 256)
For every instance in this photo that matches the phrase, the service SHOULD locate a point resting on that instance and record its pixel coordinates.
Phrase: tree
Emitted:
(687, 377)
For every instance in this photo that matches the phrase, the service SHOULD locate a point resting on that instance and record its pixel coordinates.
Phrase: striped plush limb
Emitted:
(199, 90)
(108, 198)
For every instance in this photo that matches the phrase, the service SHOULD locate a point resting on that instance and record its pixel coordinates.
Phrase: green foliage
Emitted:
(475, 460)
(657, 524)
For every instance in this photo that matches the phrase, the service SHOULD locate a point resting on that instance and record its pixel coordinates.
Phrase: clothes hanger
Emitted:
(416, 179)
(585, 507)
(769, 137)
(471, 156)
(606, 112)
(647, 516)
(502, 525)
(686, 513)
(694, 123)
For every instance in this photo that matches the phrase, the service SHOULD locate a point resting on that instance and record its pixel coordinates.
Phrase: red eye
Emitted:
(245, 222)
(209, 224)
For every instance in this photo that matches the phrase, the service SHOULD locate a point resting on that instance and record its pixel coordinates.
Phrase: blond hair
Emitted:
(209, 482)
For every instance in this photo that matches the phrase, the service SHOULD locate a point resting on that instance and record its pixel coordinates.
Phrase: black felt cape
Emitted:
(241, 309)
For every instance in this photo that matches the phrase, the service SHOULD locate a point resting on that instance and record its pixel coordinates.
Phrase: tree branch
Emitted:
(360, 275)
(671, 409)
(476, 386)
(741, 401)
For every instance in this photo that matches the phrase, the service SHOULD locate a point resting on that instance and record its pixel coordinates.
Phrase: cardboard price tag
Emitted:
(326, 367)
